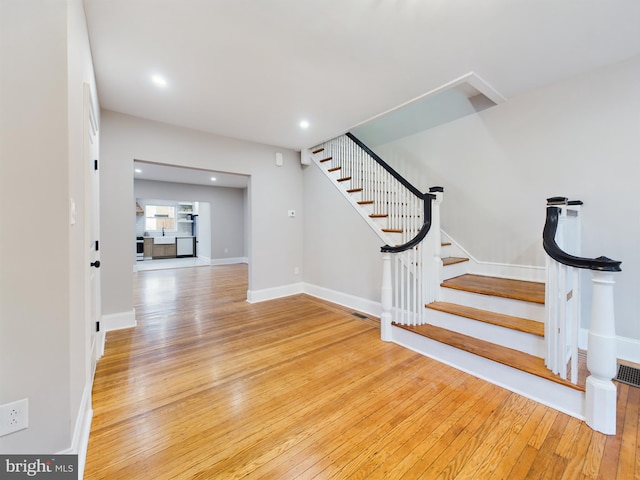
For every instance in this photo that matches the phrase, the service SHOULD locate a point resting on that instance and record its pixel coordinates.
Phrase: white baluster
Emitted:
(601, 357)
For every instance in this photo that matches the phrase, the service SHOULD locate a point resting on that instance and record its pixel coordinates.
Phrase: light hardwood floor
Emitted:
(209, 386)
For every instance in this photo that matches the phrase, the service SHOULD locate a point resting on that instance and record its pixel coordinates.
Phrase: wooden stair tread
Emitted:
(498, 287)
(326, 159)
(318, 150)
(344, 179)
(333, 169)
(507, 321)
(354, 190)
(365, 202)
(378, 215)
(497, 353)
(392, 230)
(453, 260)
(445, 244)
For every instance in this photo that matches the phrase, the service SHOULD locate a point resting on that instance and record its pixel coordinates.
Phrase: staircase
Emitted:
(491, 327)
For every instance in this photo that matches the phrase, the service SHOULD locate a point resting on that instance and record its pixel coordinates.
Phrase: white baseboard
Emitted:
(80, 440)
(118, 321)
(626, 348)
(228, 261)
(255, 296)
(344, 299)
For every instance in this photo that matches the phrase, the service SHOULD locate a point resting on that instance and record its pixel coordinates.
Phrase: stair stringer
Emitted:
(374, 223)
(559, 397)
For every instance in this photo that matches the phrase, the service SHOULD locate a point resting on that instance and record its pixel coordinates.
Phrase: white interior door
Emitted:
(92, 228)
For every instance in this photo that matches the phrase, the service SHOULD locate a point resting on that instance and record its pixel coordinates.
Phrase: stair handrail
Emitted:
(600, 395)
(550, 246)
(427, 198)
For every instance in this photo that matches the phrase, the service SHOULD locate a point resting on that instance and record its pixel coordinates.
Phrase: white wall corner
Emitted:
(255, 296)
(346, 300)
(118, 321)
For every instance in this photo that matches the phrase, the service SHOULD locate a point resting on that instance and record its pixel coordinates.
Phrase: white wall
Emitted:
(341, 251)
(275, 241)
(226, 212)
(43, 338)
(578, 138)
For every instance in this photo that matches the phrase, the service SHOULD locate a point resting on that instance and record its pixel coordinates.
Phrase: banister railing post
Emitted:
(601, 357)
(600, 395)
(436, 264)
(386, 294)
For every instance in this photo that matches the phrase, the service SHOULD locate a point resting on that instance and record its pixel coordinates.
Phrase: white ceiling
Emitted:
(253, 69)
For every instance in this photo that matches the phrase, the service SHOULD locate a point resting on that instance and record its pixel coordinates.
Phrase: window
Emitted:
(160, 217)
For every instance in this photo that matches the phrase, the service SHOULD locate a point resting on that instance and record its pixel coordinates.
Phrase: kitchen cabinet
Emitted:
(164, 250)
(148, 247)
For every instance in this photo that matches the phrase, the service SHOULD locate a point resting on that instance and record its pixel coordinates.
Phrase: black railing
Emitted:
(427, 198)
(554, 251)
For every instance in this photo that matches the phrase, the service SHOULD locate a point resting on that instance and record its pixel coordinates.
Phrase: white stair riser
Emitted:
(452, 251)
(554, 395)
(455, 270)
(506, 306)
(524, 342)
(357, 196)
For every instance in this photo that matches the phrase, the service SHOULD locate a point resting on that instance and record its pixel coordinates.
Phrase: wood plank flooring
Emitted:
(209, 386)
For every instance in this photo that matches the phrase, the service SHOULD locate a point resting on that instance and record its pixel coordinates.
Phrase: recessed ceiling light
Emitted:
(159, 80)
(137, 170)
(213, 179)
(304, 124)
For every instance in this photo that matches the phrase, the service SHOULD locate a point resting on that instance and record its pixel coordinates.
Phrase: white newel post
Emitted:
(601, 357)
(386, 293)
(437, 256)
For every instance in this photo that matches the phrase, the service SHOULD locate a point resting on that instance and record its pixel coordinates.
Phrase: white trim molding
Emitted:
(626, 348)
(80, 440)
(118, 321)
(255, 296)
(346, 300)
(360, 304)
(227, 261)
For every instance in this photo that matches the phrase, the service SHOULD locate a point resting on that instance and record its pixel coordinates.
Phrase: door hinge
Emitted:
(97, 326)
(95, 164)
(97, 246)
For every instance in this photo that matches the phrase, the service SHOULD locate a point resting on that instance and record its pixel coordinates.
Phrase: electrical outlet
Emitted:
(14, 416)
